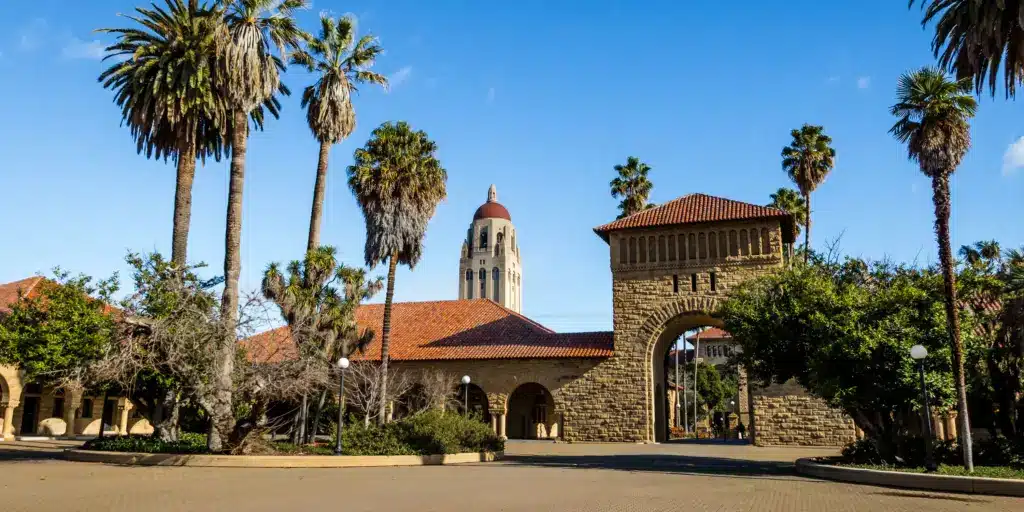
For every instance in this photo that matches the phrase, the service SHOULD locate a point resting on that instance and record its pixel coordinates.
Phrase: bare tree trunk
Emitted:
(300, 421)
(385, 339)
(319, 189)
(183, 203)
(940, 196)
(316, 417)
(807, 231)
(166, 428)
(222, 415)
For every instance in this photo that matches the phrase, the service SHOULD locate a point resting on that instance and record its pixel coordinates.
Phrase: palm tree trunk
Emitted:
(940, 196)
(385, 339)
(807, 231)
(183, 203)
(319, 188)
(222, 417)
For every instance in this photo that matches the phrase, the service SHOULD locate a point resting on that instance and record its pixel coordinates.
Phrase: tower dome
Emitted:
(489, 267)
(492, 209)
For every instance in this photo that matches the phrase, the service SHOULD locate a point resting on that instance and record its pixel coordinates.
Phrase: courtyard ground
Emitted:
(536, 476)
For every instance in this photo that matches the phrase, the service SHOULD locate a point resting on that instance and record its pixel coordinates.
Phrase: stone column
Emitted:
(123, 406)
(8, 428)
(938, 427)
(494, 423)
(952, 429)
(501, 426)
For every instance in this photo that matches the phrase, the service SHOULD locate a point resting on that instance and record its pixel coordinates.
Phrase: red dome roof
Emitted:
(492, 210)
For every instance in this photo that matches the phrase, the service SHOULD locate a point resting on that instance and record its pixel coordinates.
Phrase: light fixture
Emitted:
(918, 352)
(343, 363)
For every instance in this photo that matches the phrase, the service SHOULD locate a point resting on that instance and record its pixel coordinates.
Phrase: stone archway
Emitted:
(656, 335)
(531, 413)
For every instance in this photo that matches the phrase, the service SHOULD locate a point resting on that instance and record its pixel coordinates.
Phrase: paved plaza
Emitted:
(535, 477)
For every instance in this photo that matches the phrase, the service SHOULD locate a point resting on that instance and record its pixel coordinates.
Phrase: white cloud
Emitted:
(1013, 158)
(31, 36)
(395, 79)
(78, 49)
(864, 82)
(490, 95)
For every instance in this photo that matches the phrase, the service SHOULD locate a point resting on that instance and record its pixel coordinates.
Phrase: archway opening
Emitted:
(673, 398)
(531, 413)
(476, 399)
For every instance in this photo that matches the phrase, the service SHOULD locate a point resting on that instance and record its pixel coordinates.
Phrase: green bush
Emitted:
(909, 452)
(426, 433)
(187, 443)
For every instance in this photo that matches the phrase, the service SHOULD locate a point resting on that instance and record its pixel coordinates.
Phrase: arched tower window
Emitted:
(632, 249)
(469, 284)
(623, 254)
(483, 284)
(652, 249)
(662, 249)
(500, 237)
(766, 243)
(702, 244)
(671, 247)
(495, 276)
(643, 250)
(723, 245)
(691, 246)
(755, 242)
(483, 238)
(744, 243)
(734, 245)
(713, 245)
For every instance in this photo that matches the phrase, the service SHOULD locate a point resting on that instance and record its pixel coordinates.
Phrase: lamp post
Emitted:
(342, 366)
(918, 352)
(465, 385)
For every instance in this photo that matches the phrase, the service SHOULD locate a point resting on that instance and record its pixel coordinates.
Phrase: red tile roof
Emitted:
(452, 329)
(695, 209)
(9, 291)
(712, 333)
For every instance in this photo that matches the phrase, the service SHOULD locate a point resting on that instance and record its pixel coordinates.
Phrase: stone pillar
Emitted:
(494, 424)
(501, 426)
(939, 427)
(8, 409)
(123, 406)
(952, 429)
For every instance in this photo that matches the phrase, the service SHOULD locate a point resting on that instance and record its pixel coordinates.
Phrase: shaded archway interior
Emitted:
(531, 413)
(673, 329)
(476, 399)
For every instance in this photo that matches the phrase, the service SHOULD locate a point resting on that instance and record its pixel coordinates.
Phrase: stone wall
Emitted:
(785, 415)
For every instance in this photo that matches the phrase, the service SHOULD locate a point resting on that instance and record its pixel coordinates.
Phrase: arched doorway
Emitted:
(477, 402)
(660, 345)
(531, 413)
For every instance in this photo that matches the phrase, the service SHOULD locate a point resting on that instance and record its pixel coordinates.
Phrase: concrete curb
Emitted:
(920, 481)
(276, 461)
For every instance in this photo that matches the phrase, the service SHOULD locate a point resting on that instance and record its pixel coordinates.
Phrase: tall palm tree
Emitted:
(985, 253)
(260, 35)
(398, 182)
(973, 38)
(632, 186)
(933, 121)
(340, 62)
(808, 160)
(789, 200)
(165, 82)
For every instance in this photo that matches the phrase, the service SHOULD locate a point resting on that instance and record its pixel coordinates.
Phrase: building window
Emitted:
(623, 252)
(755, 242)
(495, 275)
(691, 246)
(662, 250)
(652, 249)
(483, 284)
(712, 245)
(469, 284)
(734, 245)
(702, 244)
(744, 243)
(671, 247)
(58, 408)
(632, 249)
(714, 282)
(87, 408)
(675, 283)
(500, 237)
(723, 245)
(693, 283)
(766, 243)
(643, 249)
(483, 238)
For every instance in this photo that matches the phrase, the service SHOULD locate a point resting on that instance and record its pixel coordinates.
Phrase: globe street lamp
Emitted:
(342, 366)
(465, 384)
(918, 352)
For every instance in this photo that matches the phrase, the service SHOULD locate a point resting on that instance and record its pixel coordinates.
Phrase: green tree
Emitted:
(633, 186)
(340, 63)
(398, 182)
(844, 332)
(808, 160)
(933, 121)
(58, 330)
(165, 82)
(260, 33)
(318, 298)
(973, 38)
(791, 201)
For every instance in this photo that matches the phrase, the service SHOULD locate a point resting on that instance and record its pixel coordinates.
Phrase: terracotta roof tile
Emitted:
(9, 291)
(452, 329)
(695, 209)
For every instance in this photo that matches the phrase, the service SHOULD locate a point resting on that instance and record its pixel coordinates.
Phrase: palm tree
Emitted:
(165, 83)
(632, 186)
(933, 121)
(984, 253)
(398, 182)
(973, 38)
(808, 160)
(789, 200)
(340, 62)
(252, 69)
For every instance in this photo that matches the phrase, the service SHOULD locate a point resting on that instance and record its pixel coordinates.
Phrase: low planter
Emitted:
(904, 480)
(277, 461)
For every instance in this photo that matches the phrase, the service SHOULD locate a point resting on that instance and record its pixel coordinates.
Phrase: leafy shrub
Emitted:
(909, 451)
(1000, 451)
(426, 433)
(187, 443)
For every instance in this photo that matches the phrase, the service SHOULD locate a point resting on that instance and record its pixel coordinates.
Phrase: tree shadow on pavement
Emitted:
(683, 464)
(14, 451)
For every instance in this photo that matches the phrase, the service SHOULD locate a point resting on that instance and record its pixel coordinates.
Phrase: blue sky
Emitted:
(540, 98)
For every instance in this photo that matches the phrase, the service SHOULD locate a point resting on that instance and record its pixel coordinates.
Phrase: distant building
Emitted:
(489, 266)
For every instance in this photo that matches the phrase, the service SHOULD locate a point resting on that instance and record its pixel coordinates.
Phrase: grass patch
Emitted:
(944, 469)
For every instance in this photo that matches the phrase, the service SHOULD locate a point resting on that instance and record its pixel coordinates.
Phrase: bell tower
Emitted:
(489, 266)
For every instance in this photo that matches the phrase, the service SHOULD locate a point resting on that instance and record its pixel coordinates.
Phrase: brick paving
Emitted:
(536, 477)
